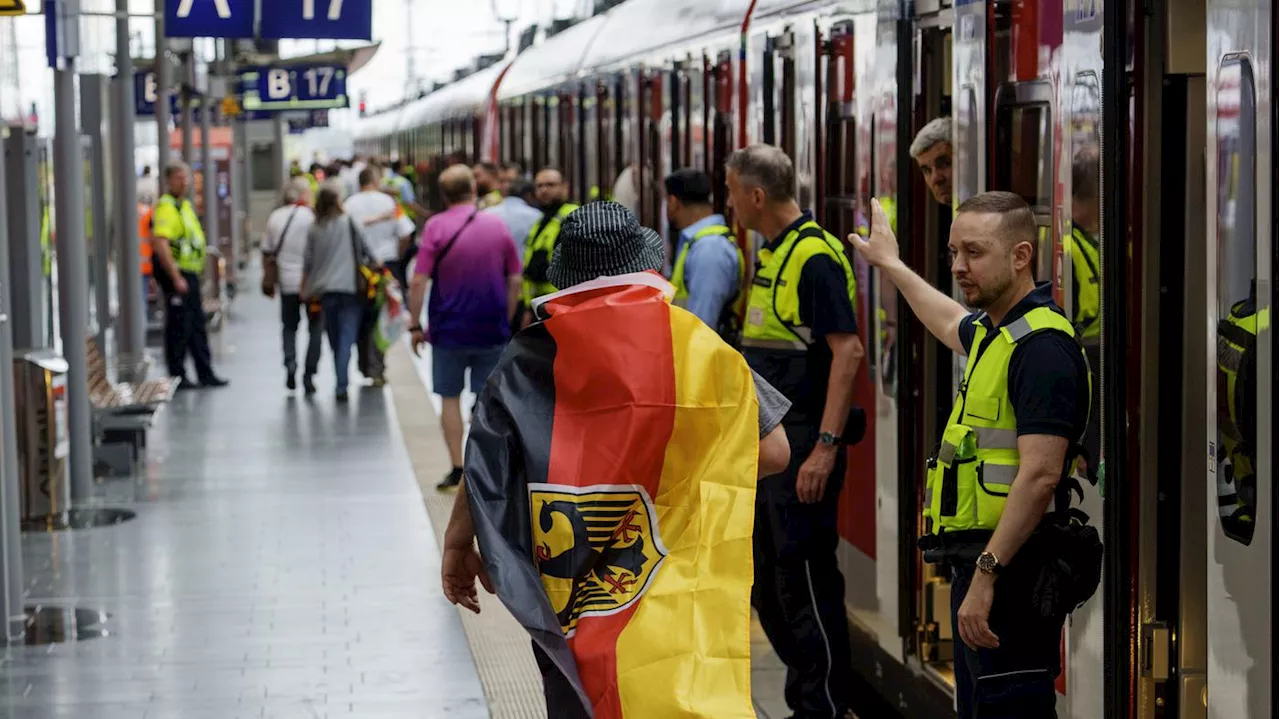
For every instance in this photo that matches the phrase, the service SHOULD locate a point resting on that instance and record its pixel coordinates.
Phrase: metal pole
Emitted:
(73, 276)
(132, 330)
(162, 94)
(92, 117)
(209, 171)
(188, 120)
(11, 606)
(279, 174)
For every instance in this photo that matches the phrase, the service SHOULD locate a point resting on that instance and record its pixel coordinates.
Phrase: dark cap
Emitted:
(690, 185)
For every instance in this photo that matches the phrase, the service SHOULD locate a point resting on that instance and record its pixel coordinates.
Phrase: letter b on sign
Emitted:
(278, 85)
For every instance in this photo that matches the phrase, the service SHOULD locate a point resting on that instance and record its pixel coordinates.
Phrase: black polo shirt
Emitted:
(1048, 376)
(826, 308)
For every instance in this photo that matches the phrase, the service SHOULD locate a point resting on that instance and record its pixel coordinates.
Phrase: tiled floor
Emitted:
(281, 565)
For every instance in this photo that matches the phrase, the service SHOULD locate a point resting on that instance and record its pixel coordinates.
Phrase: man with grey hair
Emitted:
(801, 335)
(286, 242)
(932, 152)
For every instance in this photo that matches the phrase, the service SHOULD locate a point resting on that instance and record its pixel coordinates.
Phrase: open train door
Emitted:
(1241, 352)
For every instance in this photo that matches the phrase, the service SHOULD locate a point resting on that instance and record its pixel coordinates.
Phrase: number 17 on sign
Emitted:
(309, 9)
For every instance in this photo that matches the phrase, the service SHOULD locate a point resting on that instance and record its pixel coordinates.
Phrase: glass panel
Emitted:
(1024, 154)
(1238, 316)
(967, 152)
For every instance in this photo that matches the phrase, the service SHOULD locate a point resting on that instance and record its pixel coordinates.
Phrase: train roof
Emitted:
(466, 96)
(640, 27)
(557, 59)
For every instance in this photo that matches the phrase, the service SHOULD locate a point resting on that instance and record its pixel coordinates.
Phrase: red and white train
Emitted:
(1179, 95)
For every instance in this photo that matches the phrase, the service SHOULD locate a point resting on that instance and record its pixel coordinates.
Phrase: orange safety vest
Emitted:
(144, 237)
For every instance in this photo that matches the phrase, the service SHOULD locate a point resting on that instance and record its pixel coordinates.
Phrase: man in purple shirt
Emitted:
(469, 260)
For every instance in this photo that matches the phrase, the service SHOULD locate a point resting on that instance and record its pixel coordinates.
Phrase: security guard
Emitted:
(178, 245)
(1006, 452)
(1238, 416)
(552, 194)
(801, 335)
(1086, 258)
(709, 268)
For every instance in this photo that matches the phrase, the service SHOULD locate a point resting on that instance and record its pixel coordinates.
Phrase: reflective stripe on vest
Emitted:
(977, 460)
(773, 307)
(542, 239)
(677, 273)
(181, 227)
(1085, 275)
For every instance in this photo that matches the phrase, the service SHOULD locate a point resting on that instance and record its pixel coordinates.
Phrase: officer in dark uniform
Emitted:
(1007, 452)
(800, 334)
(178, 244)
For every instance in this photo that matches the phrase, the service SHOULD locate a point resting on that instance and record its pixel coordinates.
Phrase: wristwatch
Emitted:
(829, 439)
(415, 328)
(988, 563)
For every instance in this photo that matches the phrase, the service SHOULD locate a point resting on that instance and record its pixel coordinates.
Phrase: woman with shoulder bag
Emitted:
(337, 252)
(283, 254)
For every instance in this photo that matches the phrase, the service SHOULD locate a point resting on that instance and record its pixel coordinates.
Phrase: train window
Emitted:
(967, 154)
(1082, 264)
(1024, 162)
(1240, 321)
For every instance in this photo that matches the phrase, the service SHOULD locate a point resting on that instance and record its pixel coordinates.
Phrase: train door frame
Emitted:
(604, 125)
(1011, 98)
(1241, 56)
(722, 129)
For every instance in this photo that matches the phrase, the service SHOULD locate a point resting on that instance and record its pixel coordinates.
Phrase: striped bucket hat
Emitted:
(603, 239)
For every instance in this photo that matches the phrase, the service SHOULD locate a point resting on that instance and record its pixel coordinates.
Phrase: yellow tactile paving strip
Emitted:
(499, 645)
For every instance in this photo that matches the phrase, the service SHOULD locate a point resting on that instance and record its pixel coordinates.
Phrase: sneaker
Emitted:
(379, 382)
(309, 385)
(291, 382)
(451, 480)
(341, 397)
(214, 382)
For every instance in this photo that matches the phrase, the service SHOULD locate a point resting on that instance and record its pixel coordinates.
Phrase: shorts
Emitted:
(448, 365)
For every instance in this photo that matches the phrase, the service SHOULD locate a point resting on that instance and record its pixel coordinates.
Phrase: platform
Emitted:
(283, 562)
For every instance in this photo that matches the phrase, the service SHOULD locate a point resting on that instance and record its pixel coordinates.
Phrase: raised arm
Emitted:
(940, 313)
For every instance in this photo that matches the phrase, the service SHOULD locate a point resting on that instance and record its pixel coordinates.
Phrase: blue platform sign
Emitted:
(298, 87)
(317, 20)
(210, 18)
(145, 93)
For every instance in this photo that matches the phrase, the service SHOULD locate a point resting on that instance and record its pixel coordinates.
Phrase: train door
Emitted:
(650, 95)
(721, 135)
(604, 138)
(567, 139)
(1242, 383)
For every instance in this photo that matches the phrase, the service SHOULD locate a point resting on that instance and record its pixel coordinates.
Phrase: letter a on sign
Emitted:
(209, 18)
(13, 7)
(221, 6)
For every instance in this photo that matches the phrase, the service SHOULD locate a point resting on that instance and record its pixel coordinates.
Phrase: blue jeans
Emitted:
(342, 315)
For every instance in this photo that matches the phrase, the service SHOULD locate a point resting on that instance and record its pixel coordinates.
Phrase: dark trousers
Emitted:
(292, 310)
(1015, 680)
(799, 590)
(185, 328)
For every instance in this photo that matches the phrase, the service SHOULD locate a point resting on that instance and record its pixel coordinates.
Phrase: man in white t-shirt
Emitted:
(387, 230)
(286, 238)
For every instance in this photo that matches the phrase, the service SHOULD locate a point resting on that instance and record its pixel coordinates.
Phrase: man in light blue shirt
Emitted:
(707, 271)
(517, 211)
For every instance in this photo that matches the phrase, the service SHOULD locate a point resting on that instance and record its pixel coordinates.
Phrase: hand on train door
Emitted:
(881, 246)
(975, 613)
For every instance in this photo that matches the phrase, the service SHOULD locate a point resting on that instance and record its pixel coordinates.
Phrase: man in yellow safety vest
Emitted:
(552, 193)
(1007, 451)
(178, 245)
(709, 267)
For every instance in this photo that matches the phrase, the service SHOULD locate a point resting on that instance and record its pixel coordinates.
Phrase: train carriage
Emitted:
(1180, 206)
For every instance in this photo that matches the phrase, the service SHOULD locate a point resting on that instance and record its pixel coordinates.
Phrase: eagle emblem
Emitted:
(597, 548)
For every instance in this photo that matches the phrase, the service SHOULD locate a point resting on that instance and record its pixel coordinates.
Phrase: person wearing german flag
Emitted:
(801, 334)
(610, 478)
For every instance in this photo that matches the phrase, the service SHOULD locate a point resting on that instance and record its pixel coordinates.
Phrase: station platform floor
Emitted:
(283, 562)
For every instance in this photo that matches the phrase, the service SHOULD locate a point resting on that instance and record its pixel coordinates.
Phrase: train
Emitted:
(1177, 97)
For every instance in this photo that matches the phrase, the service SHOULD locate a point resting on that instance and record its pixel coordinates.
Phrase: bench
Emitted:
(122, 411)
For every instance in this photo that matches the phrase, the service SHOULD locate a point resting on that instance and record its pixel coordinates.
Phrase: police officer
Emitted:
(179, 248)
(552, 193)
(1010, 442)
(709, 266)
(800, 334)
(1238, 416)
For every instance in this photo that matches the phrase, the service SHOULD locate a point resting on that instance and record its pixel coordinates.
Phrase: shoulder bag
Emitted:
(270, 266)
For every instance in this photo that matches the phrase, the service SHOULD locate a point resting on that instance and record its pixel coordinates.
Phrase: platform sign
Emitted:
(145, 93)
(300, 124)
(210, 18)
(317, 20)
(301, 87)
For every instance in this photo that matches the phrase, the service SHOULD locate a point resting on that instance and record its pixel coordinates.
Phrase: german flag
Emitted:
(611, 473)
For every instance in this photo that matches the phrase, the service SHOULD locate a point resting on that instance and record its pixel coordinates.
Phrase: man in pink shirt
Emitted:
(470, 263)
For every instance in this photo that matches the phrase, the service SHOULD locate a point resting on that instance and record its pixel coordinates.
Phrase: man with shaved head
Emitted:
(1017, 566)
(469, 262)
(552, 193)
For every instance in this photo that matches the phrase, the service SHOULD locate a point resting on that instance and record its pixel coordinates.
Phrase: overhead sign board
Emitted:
(302, 87)
(307, 121)
(317, 20)
(145, 93)
(209, 18)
